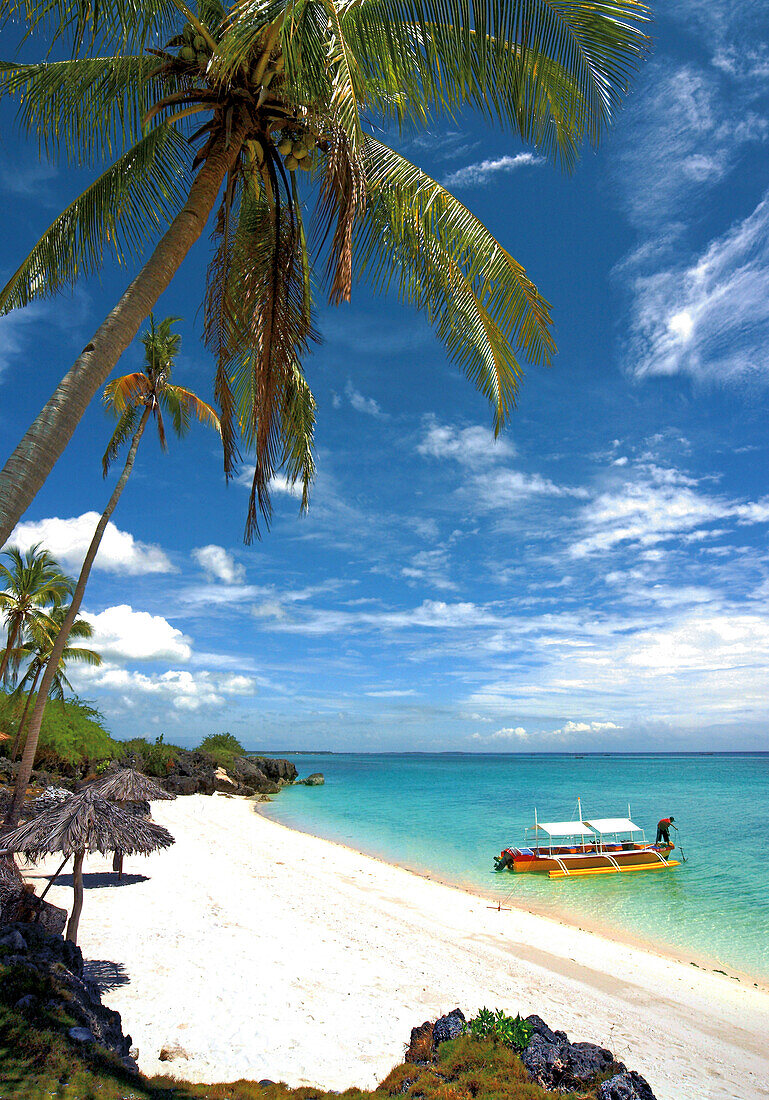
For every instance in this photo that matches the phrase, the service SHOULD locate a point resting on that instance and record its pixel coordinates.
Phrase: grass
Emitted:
(39, 1062)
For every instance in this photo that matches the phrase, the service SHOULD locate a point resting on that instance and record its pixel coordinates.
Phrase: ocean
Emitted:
(450, 814)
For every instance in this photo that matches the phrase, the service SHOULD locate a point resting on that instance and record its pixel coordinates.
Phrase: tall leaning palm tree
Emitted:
(38, 652)
(246, 111)
(33, 581)
(133, 400)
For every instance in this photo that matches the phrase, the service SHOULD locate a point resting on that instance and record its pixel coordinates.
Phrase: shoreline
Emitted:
(589, 925)
(265, 952)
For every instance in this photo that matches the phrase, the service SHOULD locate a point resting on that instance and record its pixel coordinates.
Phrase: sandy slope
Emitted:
(267, 953)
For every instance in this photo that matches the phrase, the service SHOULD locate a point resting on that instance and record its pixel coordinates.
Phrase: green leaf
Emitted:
(127, 206)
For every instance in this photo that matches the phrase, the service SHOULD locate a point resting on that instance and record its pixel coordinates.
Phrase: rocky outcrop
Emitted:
(279, 771)
(43, 974)
(315, 780)
(550, 1060)
(249, 774)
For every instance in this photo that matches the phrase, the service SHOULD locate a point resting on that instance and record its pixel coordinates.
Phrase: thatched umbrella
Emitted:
(130, 789)
(86, 822)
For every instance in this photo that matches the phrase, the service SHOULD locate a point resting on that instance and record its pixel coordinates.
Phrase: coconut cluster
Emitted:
(297, 150)
(194, 49)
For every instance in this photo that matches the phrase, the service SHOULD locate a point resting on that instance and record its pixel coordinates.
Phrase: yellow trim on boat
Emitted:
(615, 871)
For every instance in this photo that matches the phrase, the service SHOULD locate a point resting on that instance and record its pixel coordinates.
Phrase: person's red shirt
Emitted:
(665, 823)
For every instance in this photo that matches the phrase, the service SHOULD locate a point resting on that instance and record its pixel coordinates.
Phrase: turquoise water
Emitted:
(450, 814)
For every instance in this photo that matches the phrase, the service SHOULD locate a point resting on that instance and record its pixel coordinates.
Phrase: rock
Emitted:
(555, 1063)
(181, 784)
(223, 783)
(626, 1086)
(129, 1064)
(27, 1003)
(53, 968)
(314, 780)
(279, 771)
(448, 1027)
(81, 1034)
(247, 772)
(14, 941)
(420, 1048)
(20, 904)
(265, 1083)
(173, 1053)
(134, 1053)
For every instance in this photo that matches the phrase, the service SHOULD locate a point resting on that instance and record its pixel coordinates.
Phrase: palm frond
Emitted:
(92, 22)
(123, 209)
(125, 428)
(191, 405)
(447, 263)
(129, 390)
(90, 108)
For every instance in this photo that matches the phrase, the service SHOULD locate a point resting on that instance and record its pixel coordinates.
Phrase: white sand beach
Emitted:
(263, 952)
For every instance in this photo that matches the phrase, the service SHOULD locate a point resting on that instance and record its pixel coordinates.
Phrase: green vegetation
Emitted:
(224, 747)
(511, 1031)
(133, 400)
(38, 1061)
(156, 757)
(281, 101)
(73, 737)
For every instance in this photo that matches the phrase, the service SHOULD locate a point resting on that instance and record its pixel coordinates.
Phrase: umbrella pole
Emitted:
(53, 878)
(117, 863)
(77, 904)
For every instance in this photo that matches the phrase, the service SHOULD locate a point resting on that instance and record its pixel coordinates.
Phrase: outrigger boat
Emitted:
(600, 846)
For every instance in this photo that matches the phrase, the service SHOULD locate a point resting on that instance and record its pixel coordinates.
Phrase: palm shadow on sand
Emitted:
(105, 974)
(97, 880)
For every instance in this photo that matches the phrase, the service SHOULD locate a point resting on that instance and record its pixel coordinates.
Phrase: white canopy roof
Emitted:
(613, 825)
(564, 828)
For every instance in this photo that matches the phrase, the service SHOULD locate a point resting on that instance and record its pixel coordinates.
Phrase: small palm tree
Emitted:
(132, 399)
(38, 653)
(33, 581)
(251, 107)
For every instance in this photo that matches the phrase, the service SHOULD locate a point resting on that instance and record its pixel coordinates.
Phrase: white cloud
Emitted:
(16, 328)
(477, 175)
(471, 446)
(711, 318)
(363, 404)
(184, 690)
(136, 635)
(69, 539)
(219, 564)
(655, 504)
(507, 733)
(279, 483)
(430, 567)
(571, 729)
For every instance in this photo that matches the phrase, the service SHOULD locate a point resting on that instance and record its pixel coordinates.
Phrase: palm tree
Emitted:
(38, 652)
(264, 102)
(132, 399)
(33, 581)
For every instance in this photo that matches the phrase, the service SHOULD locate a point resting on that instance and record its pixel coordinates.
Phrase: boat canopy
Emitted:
(564, 828)
(605, 825)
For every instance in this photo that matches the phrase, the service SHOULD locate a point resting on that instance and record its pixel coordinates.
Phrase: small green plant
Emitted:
(511, 1031)
(223, 747)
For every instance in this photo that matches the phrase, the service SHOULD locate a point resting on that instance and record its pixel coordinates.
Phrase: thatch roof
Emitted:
(88, 822)
(129, 785)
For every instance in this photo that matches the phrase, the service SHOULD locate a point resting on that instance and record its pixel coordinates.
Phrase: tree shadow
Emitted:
(107, 975)
(97, 880)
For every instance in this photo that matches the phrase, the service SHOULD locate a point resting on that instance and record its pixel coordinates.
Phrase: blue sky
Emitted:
(595, 579)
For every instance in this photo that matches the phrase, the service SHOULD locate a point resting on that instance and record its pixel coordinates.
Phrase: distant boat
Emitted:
(600, 846)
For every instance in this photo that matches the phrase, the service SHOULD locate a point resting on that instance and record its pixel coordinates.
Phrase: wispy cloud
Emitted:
(219, 564)
(481, 173)
(363, 404)
(471, 446)
(709, 319)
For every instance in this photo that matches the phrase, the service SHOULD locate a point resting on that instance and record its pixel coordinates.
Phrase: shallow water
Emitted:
(451, 814)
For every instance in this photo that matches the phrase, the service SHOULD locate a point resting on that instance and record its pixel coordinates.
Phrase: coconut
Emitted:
(285, 146)
(199, 43)
(305, 164)
(202, 60)
(299, 149)
(291, 163)
(186, 53)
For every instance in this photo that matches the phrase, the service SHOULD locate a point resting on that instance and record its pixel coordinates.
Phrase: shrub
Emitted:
(223, 747)
(511, 1031)
(156, 758)
(73, 737)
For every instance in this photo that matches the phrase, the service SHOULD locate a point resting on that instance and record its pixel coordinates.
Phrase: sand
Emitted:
(266, 953)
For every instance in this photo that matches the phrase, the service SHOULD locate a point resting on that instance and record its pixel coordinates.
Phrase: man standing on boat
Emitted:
(663, 829)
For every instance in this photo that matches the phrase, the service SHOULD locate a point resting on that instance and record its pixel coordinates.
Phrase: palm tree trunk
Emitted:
(17, 740)
(35, 456)
(77, 904)
(59, 645)
(10, 642)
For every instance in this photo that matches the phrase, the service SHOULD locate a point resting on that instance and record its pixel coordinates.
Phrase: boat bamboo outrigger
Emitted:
(599, 846)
